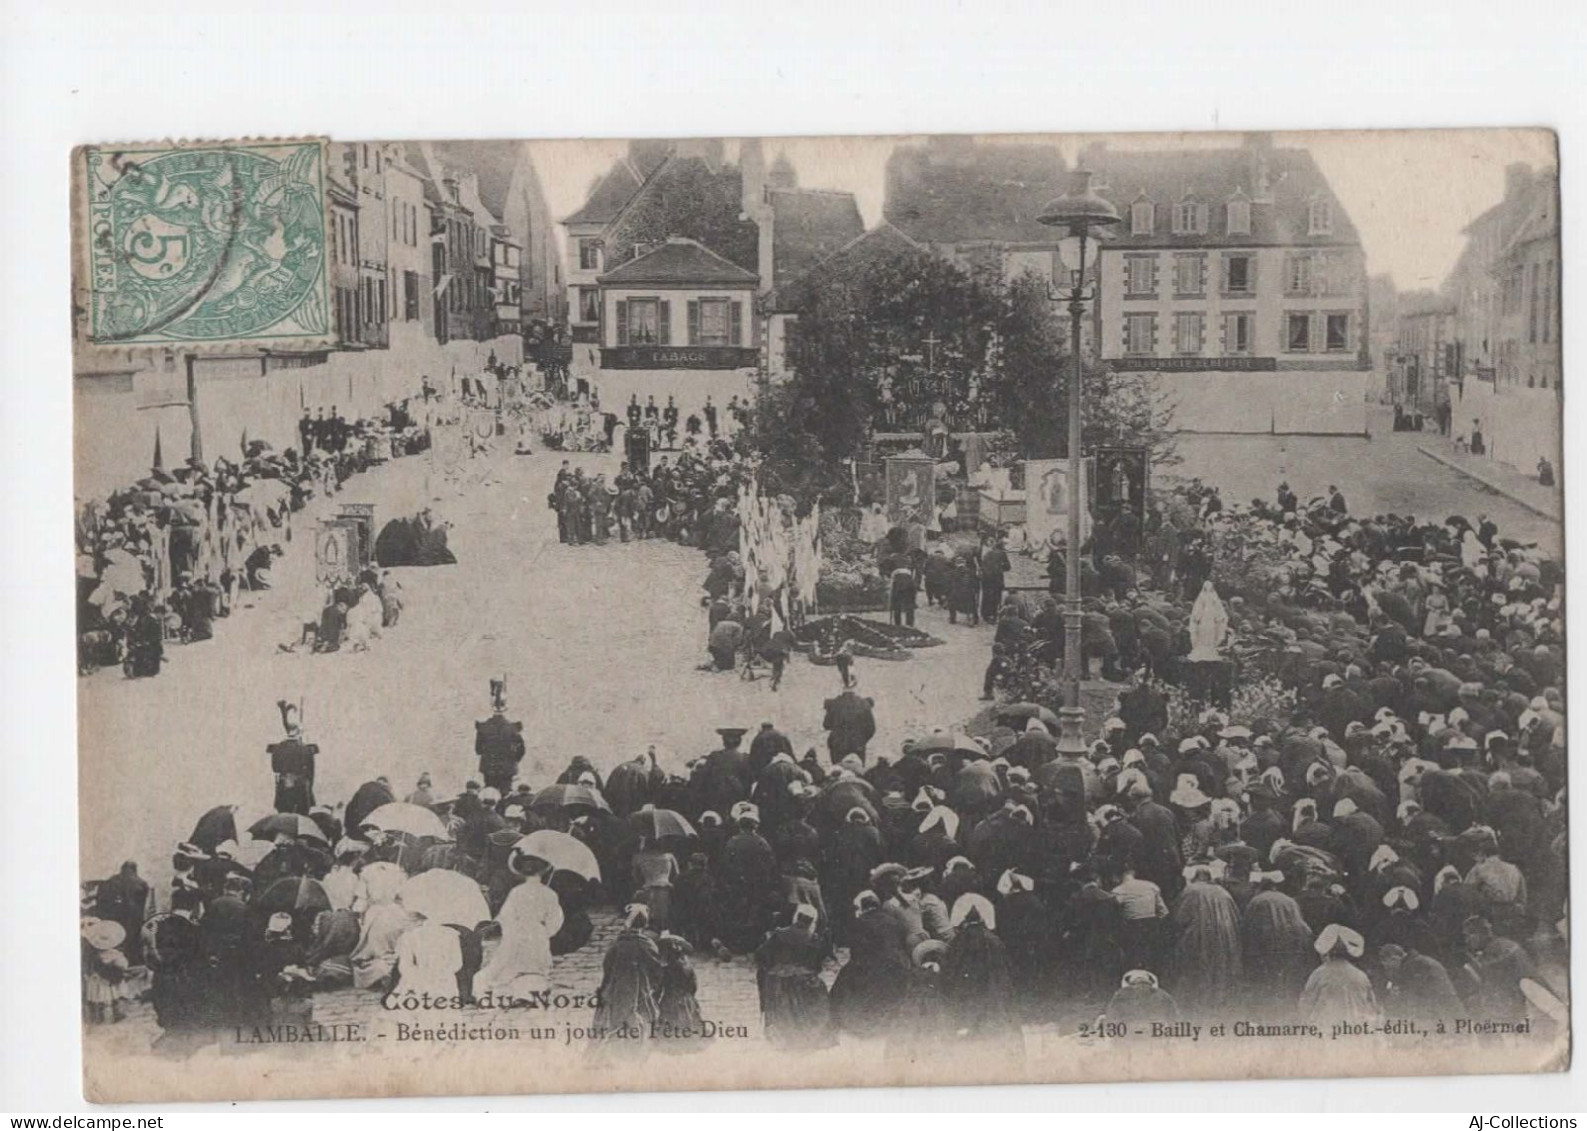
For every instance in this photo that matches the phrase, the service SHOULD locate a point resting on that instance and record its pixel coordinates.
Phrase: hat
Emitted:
(1113, 723)
(636, 915)
(745, 811)
(1336, 938)
(1011, 881)
(1132, 783)
(1401, 896)
(1344, 807)
(971, 904)
(888, 871)
(927, 950)
(1235, 731)
(280, 923)
(1479, 838)
(1443, 876)
(1382, 857)
(1134, 979)
(857, 816)
(915, 875)
(957, 863)
(926, 799)
(866, 900)
(103, 934)
(941, 815)
(1148, 738)
(1133, 757)
(349, 846)
(710, 817)
(731, 735)
(490, 794)
(1331, 681)
(1193, 743)
(1036, 726)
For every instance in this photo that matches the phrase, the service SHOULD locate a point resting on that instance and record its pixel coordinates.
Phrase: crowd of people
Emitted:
(1383, 840)
(159, 561)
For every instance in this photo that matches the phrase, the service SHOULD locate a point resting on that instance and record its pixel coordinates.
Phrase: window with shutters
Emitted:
(1143, 218)
(1298, 275)
(714, 323)
(1140, 275)
(640, 323)
(1237, 334)
(1187, 334)
(1190, 276)
(1140, 335)
(1239, 274)
(1336, 332)
(1297, 333)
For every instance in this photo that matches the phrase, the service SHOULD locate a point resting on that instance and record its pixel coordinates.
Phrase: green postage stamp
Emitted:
(208, 243)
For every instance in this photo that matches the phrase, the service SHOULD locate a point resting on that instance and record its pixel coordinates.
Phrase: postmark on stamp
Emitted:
(205, 244)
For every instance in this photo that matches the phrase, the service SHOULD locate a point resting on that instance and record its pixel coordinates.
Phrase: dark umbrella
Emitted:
(657, 823)
(949, 742)
(368, 797)
(568, 797)
(285, 824)
(1023, 711)
(294, 893)
(214, 827)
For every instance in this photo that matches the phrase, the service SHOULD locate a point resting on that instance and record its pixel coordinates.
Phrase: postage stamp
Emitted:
(209, 243)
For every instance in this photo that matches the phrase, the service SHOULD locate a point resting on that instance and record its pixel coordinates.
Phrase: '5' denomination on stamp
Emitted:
(206, 244)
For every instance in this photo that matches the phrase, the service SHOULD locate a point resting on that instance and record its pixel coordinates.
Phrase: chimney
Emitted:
(752, 168)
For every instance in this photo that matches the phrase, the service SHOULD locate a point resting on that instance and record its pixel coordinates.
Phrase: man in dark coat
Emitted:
(850, 723)
(766, 745)
(498, 742)
(292, 762)
(722, 778)
(124, 899)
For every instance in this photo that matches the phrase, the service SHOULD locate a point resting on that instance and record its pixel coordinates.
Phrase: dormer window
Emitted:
(1320, 218)
(1143, 217)
(1239, 215)
(1190, 218)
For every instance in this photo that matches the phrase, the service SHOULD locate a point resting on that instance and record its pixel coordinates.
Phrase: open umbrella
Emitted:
(401, 817)
(286, 824)
(1023, 711)
(444, 896)
(563, 852)
(294, 893)
(657, 823)
(365, 800)
(948, 742)
(215, 827)
(569, 796)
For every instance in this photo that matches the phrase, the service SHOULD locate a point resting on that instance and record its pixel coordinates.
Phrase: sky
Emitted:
(1409, 192)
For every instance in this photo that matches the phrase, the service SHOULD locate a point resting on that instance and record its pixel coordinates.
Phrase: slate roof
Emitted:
(958, 190)
(609, 195)
(1212, 176)
(679, 261)
(808, 226)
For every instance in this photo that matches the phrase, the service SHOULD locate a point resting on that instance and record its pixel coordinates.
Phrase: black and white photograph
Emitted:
(746, 612)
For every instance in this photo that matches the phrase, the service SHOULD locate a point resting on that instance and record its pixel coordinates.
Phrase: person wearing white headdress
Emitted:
(977, 987)
(1209, 625)
(1207, 945)
(429, 957)
(794, 1004)
(1139, 1000)
(870, 986)
(1337, 991)
(630, 991)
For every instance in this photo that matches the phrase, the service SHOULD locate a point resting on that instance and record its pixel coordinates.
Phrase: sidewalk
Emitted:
(1517, 486)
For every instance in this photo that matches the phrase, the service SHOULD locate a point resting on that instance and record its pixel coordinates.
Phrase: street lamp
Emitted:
(1080, 212)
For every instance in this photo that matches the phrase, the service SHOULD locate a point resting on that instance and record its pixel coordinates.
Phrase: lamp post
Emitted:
(1080, 212)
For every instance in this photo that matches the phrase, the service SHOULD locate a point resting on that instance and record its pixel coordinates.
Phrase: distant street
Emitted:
(1386, 474)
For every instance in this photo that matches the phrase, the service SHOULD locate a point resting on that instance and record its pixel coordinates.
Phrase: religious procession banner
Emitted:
(1047, 501)
(1318, 821)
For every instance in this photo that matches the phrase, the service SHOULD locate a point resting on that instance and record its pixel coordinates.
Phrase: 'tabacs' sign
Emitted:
(679, 357)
